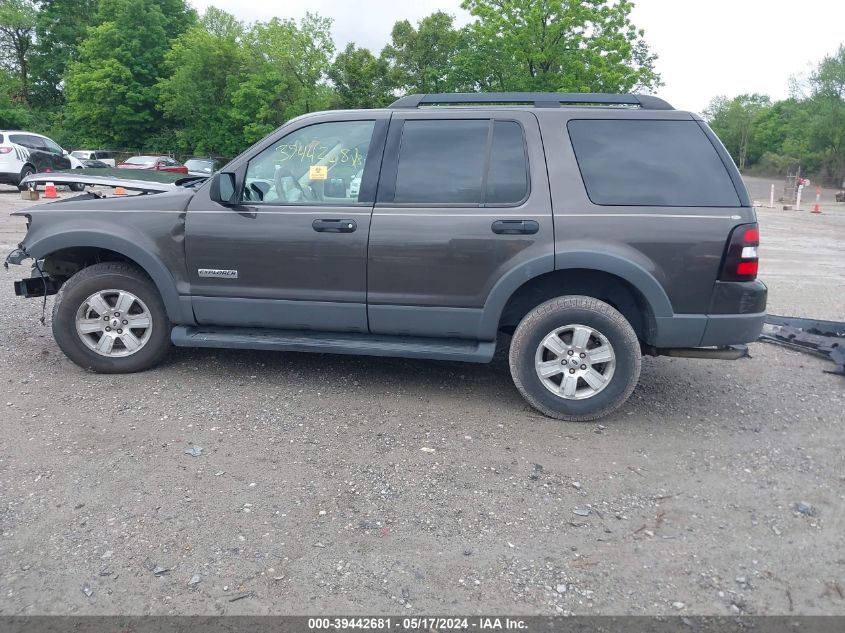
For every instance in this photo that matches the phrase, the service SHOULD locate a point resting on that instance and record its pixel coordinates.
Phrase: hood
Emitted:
(150, 182)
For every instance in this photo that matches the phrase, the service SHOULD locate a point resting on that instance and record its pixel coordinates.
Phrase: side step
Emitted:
(333, 343)
(730, 352)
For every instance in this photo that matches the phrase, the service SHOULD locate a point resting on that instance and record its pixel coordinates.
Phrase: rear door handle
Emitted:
(334, 225)
(515, 227)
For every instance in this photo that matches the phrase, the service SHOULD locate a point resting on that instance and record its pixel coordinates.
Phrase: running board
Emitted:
(729, 352)
(333, 343)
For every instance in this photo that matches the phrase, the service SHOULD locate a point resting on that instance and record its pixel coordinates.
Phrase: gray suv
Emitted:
(591, 228)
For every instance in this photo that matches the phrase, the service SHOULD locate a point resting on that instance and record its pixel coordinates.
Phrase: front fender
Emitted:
(178, 310)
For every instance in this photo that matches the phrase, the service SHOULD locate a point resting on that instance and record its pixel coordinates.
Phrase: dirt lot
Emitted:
(312, 493)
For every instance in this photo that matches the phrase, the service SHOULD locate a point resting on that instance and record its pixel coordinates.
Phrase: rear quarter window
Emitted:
(628, 162)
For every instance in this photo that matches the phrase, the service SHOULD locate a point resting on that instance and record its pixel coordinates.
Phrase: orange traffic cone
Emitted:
(50, 190)
(816, 207)
(119, 191)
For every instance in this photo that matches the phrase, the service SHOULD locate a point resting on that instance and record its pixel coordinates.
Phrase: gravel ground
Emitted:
(355, 485)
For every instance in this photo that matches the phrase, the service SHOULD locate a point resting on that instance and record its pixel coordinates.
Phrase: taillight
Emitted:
(740, 260)
(5, 150)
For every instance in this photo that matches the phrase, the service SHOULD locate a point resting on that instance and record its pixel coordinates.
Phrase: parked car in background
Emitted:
(25, 153)
(103, 155)
(154, 163)
(201, 166)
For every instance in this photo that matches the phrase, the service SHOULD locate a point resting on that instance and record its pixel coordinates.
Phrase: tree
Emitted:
(558, 45)
(111, 89)
(360, 79)
(203, 68)
(421, 59)
(285, 77)
(13, 115)
(60, 27)
(827, 129)
(17, 28)
(734, 121)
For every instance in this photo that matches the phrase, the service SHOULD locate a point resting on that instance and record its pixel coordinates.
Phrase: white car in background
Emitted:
(25, 153)
(102, 155)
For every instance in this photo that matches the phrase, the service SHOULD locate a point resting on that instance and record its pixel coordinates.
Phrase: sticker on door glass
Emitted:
(318, 172)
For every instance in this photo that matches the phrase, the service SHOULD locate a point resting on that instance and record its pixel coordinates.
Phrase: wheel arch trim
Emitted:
(178, 310)
(631, 272)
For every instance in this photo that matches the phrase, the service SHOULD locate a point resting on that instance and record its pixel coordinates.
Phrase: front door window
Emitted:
(321, 164)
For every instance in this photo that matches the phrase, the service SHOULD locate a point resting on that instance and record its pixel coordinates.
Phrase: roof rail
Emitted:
(537, 99)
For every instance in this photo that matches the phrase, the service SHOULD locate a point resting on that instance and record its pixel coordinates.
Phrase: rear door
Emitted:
(463, 200)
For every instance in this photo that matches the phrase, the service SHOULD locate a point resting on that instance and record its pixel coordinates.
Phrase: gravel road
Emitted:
(355, 485)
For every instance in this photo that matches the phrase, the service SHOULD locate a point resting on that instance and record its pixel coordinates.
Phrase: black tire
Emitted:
(27, 170)
(76, 186)
(565, 311)
(105, 276)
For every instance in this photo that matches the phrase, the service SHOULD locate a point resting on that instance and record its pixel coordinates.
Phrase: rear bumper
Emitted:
(736, 315)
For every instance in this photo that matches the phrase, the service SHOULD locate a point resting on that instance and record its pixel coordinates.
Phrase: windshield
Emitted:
(80, 154)
(141, 160)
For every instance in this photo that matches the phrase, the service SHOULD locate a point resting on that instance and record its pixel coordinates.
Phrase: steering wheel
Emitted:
(284, 172)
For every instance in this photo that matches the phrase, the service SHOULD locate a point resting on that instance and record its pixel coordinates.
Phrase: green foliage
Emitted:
(735, 119)
(17, 28)
(112, 88)
(285, 76)
(60, 27)
(360, 79)
(13, 115)
(141, 73)
(557, 45)
(202, 71)
(806, 130)
(420, 59)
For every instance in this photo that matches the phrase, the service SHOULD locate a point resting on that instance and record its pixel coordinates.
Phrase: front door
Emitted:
(463, 202)
(293, 255)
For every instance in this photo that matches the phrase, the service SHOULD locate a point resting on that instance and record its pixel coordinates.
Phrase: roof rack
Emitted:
(537, 99)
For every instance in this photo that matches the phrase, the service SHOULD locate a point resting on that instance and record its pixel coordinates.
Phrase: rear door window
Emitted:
(463, 162)
(650, 163)
(441, 161)
(25, 140)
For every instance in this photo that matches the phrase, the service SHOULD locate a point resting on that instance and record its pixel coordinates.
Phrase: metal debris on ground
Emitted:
(821, 338)
(805, 508)
(194, 451)
(582, 512)
(86, 589)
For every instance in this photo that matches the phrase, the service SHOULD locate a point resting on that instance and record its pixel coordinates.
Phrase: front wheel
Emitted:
(575, 358)
(110, 318)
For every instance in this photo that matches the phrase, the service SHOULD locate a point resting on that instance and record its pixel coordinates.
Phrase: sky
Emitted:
(705, 48)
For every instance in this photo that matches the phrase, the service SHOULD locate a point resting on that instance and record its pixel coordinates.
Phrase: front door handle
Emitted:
(515, 227)
(334, 225)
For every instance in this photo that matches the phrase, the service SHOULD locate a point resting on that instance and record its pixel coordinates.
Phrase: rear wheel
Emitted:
(109, 317)
(27, 171)
(575, 358)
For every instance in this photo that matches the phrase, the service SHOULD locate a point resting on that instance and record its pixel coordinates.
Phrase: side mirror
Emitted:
(224, 188)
